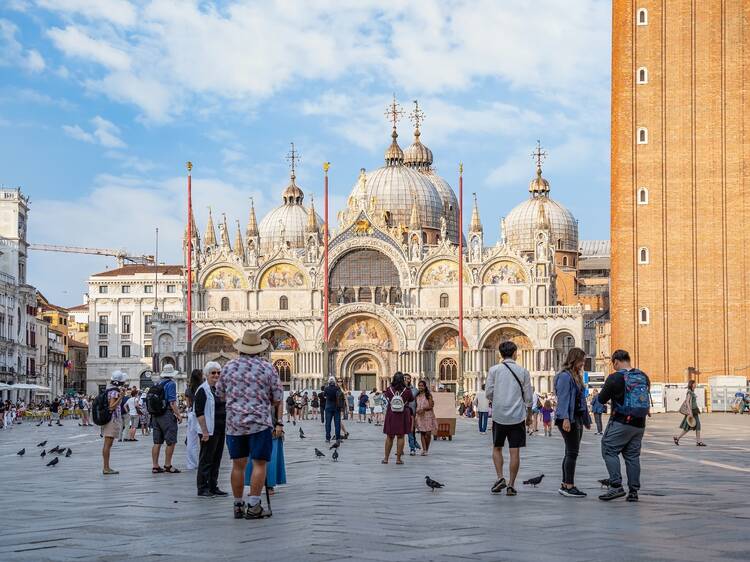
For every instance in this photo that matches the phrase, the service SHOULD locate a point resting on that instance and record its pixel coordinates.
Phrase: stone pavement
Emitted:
(693, 503)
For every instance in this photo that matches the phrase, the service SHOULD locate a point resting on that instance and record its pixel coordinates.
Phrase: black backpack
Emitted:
(156, 402)
(100, 412)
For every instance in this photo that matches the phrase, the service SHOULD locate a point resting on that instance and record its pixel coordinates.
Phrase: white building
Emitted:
(17, 298)
(121, 305)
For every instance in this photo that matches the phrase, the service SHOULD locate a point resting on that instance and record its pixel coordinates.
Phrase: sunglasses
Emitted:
(214, 372)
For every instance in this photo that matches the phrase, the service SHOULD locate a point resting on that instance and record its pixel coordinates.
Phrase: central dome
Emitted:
(287, 222)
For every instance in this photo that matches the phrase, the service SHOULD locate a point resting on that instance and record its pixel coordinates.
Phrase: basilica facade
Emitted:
(393, 283)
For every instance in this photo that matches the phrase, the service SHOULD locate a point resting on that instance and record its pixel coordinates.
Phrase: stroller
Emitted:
(741, 403)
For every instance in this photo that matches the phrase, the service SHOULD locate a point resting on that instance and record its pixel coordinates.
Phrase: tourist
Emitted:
(547, 411)
(192, 440)
(362, 411)
(483, 409)
(290, 407)
(597, 408)
(276, 467)
(509, 390)
(398, 420)
(691, 420)
(251, 387)
(297, 406)
(343, 409)
(378, 408)
(571, 416)
(132, 409)
(425, 422)
(111, 430)
(210, 418)
(305, 406)
(165, 420)
(145, 420)
(322, 399)
(413, 445)
(314, 405)
(55, 410)
(628, 389)
(85, 407)
(350, 404)
(536, 408)
(334, 398)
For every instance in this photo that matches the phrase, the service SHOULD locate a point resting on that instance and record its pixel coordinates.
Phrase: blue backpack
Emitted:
(637, 400)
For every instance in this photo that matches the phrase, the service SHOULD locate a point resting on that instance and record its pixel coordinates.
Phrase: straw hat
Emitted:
(168, 372)
(251, 343)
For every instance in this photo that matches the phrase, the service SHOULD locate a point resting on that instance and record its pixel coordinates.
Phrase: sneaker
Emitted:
(571, 492)
(218, 492)
(632, 496)
(239, 510)
(205, 494)
(255, 512)
(612, 494)
(499, 486)
(511, 491)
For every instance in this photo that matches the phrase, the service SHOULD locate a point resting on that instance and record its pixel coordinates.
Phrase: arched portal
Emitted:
(508, 333)
(281, 340)
(213, 346)
(363, 275)
(562, 343)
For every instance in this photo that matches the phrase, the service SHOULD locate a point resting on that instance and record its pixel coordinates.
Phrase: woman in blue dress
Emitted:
(275, 469)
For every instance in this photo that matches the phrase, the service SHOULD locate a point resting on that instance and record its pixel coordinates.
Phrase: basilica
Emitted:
(393, 282)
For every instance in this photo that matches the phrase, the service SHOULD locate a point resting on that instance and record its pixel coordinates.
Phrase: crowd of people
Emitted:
(240, 406)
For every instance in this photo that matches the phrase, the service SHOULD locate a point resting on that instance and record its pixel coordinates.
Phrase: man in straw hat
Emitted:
(251, 387)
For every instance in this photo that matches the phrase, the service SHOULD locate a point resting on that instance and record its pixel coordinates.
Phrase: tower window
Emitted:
(444, 300)
(644, 316)
(642, 18)
(642, 135)
(225, 304)
(565, 260)
(643, 255)
(643, 75)
(283, 303)
(643, 196)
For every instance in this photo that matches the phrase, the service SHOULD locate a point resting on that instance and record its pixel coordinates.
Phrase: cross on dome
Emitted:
(294, 159)
(394, 112)
(417, 115)
(539, 155)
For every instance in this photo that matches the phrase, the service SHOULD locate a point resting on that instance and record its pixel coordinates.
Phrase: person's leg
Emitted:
(427, 440)
(204, 465)
(258, 477)
(237, 478)
(218, 454)
(155, 455)
(681, 435)
(631, 452)
(497, 459)
(572, 440)
(329, 417)
(388, 447)
(412, 443)
(612, 443)
(169, 450)
(697, 435)
(105, 453)
(337, 423)
(515, 463)
(399, 447)
(598, 422)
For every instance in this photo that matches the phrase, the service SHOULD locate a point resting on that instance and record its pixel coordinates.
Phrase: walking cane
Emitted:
(268, 499)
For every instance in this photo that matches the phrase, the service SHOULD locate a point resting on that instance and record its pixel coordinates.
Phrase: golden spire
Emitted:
(239, 247)
(209, 238)
(414, 221)
(476, 224)
(312, 220)
(394, 155)
(417, 155)
(293, 158)
(252, 222)
(224, 230)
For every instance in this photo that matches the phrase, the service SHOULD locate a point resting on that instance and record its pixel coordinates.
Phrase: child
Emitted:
(547, 417)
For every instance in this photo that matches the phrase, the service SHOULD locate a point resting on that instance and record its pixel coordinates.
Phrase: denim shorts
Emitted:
(257, 446)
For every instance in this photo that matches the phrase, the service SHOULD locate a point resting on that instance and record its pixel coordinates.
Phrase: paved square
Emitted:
(693, 502)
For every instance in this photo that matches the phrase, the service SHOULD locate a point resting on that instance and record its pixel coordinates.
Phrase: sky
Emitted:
(103, 101)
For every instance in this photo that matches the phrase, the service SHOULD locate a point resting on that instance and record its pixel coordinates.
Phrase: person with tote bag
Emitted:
(691, 420)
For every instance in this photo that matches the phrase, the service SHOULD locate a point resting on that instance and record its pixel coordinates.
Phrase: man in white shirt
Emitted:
(482, 406)
(132, 407)
(509, 390)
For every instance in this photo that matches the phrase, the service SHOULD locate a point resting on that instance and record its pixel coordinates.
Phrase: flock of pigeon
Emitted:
(59, 451)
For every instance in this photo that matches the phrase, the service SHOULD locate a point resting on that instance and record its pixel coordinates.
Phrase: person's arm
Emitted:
(200, 412)
(115, 402)
(562, 390)
(528, 392)
(609, 389)
(172, 399)
(490, 385)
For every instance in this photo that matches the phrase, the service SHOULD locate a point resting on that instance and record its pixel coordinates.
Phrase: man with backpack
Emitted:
(107, 413)
(334, 403)
(629, 391)
(161, 402)
(509, 390)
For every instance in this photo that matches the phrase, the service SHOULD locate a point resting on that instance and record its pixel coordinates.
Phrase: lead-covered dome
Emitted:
(525, 219)
(286, 223)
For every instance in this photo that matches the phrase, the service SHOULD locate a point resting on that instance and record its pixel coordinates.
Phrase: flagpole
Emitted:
(461, 279)
(326, 167)
(189, 315)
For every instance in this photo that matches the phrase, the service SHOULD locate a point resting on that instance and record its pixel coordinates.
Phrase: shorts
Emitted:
(378, 410)
(362, 410)
(165, 429)
(516, 434)
(55, 416)
(134, 421)
(351, 408)
(257, 446)
(112, 428)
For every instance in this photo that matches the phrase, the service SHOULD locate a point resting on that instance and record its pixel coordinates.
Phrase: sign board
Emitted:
(445, 404)
(657, 399)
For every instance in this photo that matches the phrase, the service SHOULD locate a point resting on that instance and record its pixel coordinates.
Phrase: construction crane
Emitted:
(122, 256)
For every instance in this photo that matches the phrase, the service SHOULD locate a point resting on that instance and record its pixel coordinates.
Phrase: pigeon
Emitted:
(57, 448)
(44, 453)
(22, 452)
(534, 481)
(335, 445)
(434, 484)
(42, 444)
(335, 455)
(70, 452)
(301, 433)
(53, 462)
(318, 453)
(61, 451)
(604, 482)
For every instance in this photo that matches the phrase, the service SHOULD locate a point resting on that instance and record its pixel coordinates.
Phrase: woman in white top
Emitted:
(132, 408)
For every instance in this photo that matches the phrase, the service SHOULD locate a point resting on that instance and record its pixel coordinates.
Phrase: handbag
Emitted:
(686, 409)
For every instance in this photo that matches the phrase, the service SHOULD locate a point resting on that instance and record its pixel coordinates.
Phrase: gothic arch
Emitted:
(347, 311)
(350, 358)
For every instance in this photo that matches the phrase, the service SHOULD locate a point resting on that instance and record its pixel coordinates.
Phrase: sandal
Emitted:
(700, 444)
(171, 469)
(384, 461)
(676, 441)
(157, 470)
(399, 461)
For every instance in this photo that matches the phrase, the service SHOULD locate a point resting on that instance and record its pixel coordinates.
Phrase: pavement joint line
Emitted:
(698, 461)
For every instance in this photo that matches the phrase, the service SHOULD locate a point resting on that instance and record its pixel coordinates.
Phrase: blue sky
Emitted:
(103, 101)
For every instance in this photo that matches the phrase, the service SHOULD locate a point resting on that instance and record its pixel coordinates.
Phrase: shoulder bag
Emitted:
(529, 414)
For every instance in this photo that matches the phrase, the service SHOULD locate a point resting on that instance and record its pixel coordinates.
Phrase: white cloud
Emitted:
(104, 133)
(74, 42)
(120, 12)
(13, 53)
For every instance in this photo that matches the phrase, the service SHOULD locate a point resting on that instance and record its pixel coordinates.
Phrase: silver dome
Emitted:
(286, 223)
(395, 189)
(521, 223)
(450, 202)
